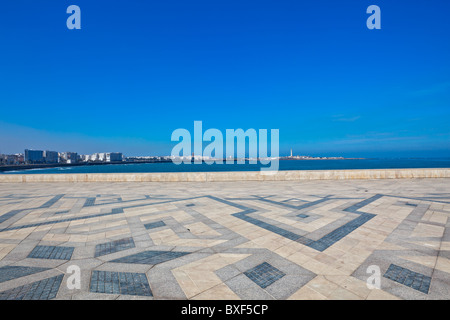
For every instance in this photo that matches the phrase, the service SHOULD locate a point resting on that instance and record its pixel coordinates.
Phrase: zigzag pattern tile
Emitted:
(228, 241)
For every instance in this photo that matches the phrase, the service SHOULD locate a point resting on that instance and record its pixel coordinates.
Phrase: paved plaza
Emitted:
(226, 240)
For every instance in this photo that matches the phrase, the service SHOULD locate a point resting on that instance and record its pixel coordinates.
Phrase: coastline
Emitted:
(20, 167)
(167, 166)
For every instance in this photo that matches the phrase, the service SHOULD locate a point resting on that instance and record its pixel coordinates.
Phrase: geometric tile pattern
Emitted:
(114, 246)
(51, 252)
(120, 283)
(308, 240)
(322, 243)
(339, 233)
(408, 278)
(113, 212)
(13, 272)
(264, 274)
(40, 290)
(150, 257)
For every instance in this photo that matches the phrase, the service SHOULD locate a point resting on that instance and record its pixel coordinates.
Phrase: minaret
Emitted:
(291, 153)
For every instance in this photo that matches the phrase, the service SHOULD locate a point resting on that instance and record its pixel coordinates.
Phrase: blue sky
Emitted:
(137, 70)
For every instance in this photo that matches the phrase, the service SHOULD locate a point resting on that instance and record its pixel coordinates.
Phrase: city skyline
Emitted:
(137, 71)
(68, 154)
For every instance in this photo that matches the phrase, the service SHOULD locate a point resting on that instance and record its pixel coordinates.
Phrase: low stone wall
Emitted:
(231, 176)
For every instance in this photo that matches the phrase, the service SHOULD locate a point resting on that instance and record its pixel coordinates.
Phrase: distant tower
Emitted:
(291, 153)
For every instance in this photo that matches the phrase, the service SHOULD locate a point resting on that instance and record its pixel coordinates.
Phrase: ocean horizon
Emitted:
(284, 165)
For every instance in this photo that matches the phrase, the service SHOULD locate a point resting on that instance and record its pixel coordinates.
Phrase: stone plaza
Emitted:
(226, 240)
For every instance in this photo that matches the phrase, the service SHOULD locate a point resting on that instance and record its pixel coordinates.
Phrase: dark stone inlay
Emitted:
(48, 204)
(51, 252)
(13, 272)
(150, 257)
(62, 212)
(298, 207)
(52, 201)
(280, 231)
(264, 274)
(303, 216)
(415, 280)
(341, 232)
(411, 204)
(154, 225)
(321, 244)
(113, 212)
(114, 246)
(354, 208)
(40, 290)
(126, 283)
(9, 215)
(89, 202)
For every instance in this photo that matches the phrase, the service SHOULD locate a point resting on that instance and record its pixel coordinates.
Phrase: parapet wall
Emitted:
(231, 176)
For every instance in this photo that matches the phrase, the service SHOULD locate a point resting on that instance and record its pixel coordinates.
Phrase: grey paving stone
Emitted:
(126, 283)
(151, 257)
(264, 274)
(13, 272)
(114, 246)
(9, 215)
(52, 201)
(154, 225)
(51, 252)
(46, 289)
(409, 278)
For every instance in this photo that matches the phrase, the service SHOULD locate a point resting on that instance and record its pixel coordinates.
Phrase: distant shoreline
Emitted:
(166, 165)
(19, 167)
(4, 168)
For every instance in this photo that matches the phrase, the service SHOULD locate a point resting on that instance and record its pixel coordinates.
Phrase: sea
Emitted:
(323, 164)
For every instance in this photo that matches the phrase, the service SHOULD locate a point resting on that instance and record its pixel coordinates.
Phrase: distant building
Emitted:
(106, 157)
(34, 156)
(20, 159)
(11, 159)
(94, 157)
(101, 157)
(69, 157)
(51, 156)
(114, 157)
(84, 157)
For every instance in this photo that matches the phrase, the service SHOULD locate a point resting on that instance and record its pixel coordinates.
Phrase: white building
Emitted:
(84, 157)
(69, 157)
(106, 157)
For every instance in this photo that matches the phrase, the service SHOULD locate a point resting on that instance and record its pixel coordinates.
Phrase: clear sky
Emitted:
(137, 70)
